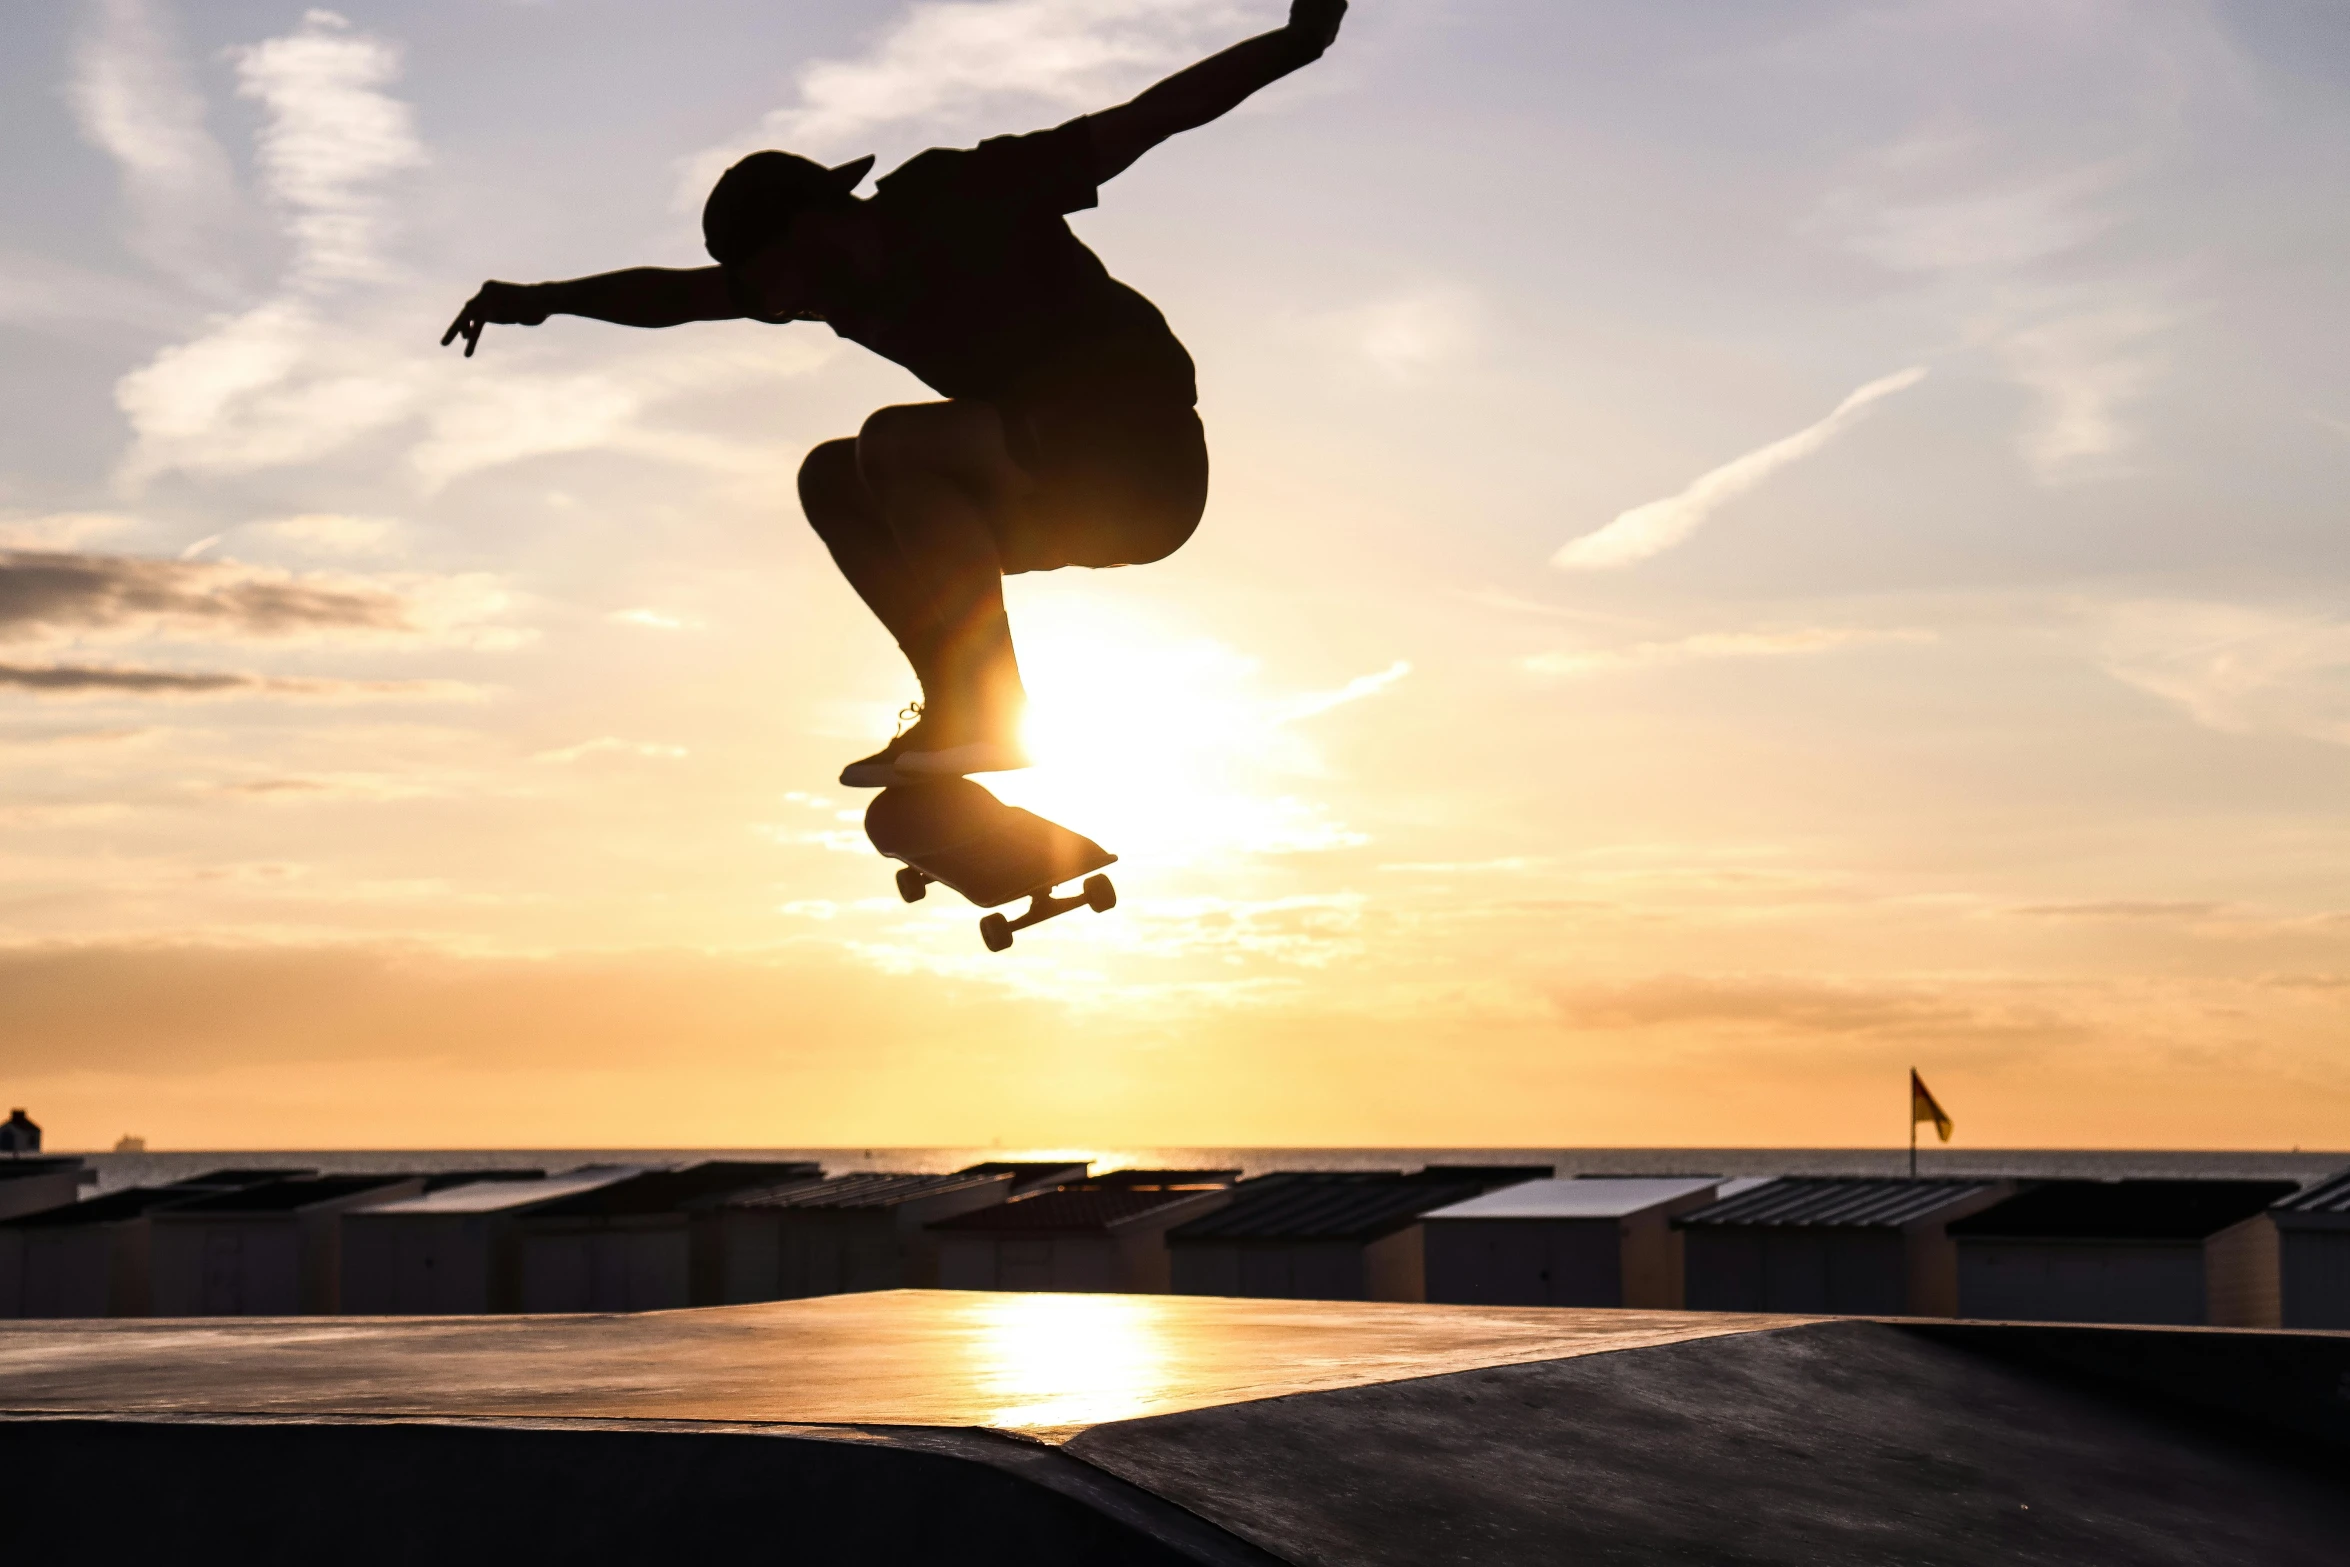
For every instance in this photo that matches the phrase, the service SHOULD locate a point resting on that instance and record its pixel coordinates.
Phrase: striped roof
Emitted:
(1303, 1205)
(2331, 1195)
(1833, 1202)
(866, 1189)
(1084, 1208)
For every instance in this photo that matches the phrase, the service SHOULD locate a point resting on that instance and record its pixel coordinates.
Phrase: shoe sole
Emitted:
(955, 761)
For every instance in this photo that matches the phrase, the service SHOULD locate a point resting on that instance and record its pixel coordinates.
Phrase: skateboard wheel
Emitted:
(996, 931)
(1100, 896)
(912, 884)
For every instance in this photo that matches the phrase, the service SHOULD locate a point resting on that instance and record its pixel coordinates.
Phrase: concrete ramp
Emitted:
(1847, 1444)
(977, 1429)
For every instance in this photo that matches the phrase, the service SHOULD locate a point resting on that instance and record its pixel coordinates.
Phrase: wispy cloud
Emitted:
(332, 137)
(1791, 642)
(332, 533)
(104, 680)
(57, 592)
(943, 61)
(611, 745)
(285, 381)
(1316, 702)
(2237, 668)
(2085, 366)
(1653, 528)
(132, 99)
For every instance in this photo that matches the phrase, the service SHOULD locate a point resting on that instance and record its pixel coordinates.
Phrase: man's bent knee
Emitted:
(831, 493)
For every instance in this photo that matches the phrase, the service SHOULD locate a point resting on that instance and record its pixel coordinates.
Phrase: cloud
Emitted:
(1651, 529)
(1820, 1009)
(53, 592)
(1409, 333)
(947, 60)
(1314, 703)
(2122, 910)
(2237, 668)
(2084, 367)
(94, 680)
(331, 533)
(1793, 642)
(608, 745)
(654, 620)
(132, 99)
(332, 137)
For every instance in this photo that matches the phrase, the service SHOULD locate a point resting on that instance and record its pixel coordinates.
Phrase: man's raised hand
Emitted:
(1315, 22)
(500, 304)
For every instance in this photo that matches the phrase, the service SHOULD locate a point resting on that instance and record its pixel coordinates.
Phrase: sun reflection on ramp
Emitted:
(1069, 1360)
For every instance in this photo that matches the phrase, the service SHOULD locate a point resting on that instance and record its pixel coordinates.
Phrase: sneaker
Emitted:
(880, 770)
(980, 756)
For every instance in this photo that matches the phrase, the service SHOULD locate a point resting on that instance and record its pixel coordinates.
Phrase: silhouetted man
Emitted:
(1068, 435)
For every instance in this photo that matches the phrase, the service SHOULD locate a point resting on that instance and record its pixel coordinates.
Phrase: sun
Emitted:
(1161, 742)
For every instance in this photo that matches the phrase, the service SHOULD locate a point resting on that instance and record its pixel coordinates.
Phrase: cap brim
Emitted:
(852, 173)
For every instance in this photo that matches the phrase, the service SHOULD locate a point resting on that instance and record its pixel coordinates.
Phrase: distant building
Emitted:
(1107, 1233)
(271, 1250)
(1851, 1245)
(127, 1143)
(646, 1243)
(456, 1250)
(2182, 1252)
(18, 1134)
(2313, 1235)
(28, 1185)
(866, 1231)
(1324, 1235)
(1597, 1241)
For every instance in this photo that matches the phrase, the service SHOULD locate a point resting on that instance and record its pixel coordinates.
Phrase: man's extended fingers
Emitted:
(473, 337)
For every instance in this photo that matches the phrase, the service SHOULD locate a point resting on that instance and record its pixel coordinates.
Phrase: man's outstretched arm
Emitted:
(1199, 93)
(640, 296)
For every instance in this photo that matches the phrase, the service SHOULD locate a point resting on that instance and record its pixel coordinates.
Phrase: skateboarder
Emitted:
(1068, 434)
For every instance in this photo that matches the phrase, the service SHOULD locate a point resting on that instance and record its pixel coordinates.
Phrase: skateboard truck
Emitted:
(1094, 893)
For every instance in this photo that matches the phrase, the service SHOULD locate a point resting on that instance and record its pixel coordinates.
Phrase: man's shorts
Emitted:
(1118, 483)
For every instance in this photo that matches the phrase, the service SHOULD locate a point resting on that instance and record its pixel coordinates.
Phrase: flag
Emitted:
(1923, 1108)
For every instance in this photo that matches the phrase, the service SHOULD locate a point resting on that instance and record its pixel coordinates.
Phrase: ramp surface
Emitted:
(1158, 1431)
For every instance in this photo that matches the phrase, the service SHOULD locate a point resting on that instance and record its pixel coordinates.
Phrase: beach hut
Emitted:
(272, 1250)
(84, 1259)
(1108, 1233)
(2313, 1262)
(1324, 1234)
(1597, 1241)
(455, 1250)
(644, 1243)
(863, 1231)
(2187, 1252)
(92, 1258)
(1859, 1245)
(28, 1185)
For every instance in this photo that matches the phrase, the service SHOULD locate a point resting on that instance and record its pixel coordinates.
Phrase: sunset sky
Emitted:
(1753, 546)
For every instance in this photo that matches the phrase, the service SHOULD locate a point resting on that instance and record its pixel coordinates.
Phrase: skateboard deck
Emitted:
(952, 831)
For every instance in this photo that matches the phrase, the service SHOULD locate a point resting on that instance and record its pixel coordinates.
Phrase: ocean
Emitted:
(117, 1170)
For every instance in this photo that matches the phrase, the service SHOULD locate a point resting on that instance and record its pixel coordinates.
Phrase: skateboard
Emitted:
(952, 831)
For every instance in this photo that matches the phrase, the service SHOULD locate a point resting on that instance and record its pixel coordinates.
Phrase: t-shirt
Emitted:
(984, 292)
